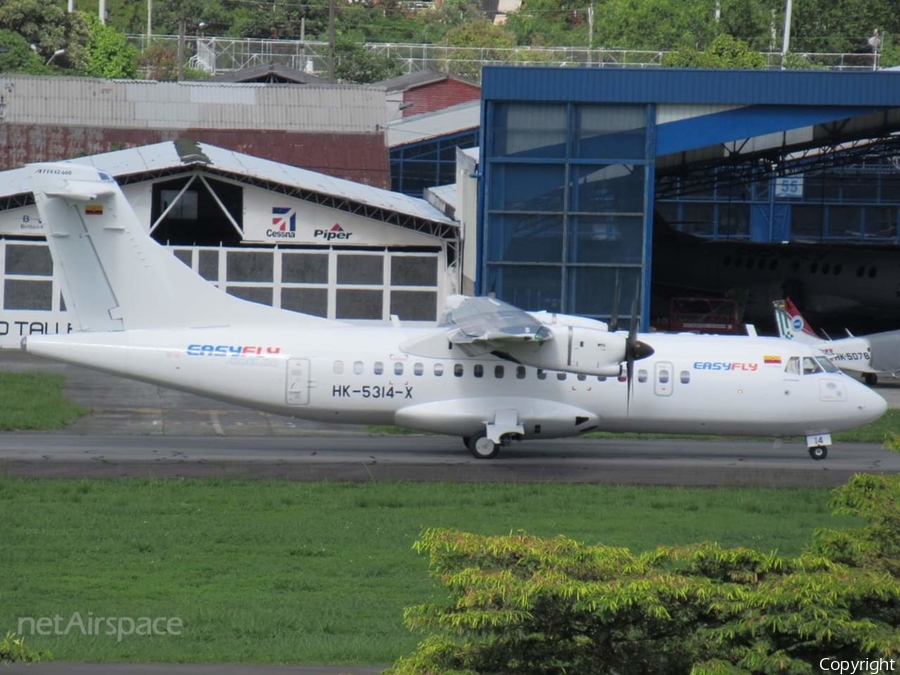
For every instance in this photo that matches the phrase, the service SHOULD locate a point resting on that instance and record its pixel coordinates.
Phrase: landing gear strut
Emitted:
(818, 445)
(818, 452)
(481, 446)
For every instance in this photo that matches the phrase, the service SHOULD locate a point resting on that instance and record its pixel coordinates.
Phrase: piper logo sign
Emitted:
(336, 232)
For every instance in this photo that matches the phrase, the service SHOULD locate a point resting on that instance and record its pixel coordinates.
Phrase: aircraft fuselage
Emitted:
(734, 385)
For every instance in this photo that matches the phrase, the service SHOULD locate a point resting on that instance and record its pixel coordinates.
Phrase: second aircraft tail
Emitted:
(792, 325)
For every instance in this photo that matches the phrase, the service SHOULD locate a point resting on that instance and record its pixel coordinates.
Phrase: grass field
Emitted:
(35, 402)
(311, 573)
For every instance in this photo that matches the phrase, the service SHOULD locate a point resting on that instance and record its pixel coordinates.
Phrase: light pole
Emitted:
(58, 52)
(786, 38)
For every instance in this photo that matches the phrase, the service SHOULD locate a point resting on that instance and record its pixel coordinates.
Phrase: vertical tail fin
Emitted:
(113, 275)
(791, 324)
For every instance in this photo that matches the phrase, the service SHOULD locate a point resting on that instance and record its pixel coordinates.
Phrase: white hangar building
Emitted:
(260, 230)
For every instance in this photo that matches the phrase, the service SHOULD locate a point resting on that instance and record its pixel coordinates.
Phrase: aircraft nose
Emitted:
(870, 404)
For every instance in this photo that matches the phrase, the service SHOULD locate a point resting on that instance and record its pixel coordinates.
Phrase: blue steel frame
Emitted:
(400, 160)
(647, 163)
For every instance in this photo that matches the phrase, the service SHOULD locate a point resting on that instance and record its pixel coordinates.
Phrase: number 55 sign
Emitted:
(789, 187)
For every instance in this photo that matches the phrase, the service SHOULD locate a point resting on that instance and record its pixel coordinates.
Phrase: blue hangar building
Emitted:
(583, 169)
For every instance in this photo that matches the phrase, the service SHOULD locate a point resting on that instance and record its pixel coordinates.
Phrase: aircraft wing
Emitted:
(481, 320)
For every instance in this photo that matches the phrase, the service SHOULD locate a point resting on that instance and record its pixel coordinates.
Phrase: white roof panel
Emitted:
(166, 156)
(451, 120)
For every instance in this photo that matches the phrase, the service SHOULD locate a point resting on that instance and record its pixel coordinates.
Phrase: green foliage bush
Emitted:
(109, 53)
(14, 650)
(526, 605)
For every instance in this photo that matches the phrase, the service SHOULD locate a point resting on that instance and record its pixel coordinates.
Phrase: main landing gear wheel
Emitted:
(818, 452)
(870, 379)
(481, 446)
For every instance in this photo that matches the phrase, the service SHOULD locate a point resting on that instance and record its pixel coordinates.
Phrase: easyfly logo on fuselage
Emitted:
(336, 232)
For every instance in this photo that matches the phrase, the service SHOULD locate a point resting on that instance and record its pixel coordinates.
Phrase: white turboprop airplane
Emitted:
(868, 355)
(489, 373)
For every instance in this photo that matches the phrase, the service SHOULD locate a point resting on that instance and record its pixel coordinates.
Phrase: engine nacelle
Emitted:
(574, 349)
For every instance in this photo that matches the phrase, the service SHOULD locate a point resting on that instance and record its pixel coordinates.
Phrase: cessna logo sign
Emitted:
(284, 223)
(336, 232)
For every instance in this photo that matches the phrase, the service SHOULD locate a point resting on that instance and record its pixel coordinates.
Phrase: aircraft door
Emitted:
(297, 382)
(664, 379)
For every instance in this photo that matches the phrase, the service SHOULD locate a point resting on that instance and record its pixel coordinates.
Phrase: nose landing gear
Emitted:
(818, 452)
(818, 445)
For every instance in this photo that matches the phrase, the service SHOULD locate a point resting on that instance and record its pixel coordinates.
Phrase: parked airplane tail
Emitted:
(113, 275)
(792, 325)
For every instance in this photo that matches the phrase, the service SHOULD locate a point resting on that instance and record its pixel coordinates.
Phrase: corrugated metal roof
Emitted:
(142, 104)
(409, 80)
(443, 193)
(159, 156)
(676, 85)
(270, 73)
(442, 122)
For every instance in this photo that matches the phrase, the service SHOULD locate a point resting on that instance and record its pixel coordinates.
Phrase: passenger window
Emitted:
(761, 265)
(826, 268)
(664, 377)
(813, 267)
(520, 372)
(418, 369)
(479, 370)
(838, 268)
(358, 367)
(582, 378)
(398, 368)
(795, 266)
(498, 372)
(873, 272)
(811, 366)
(378, 368)
(560, 376)
(792, 367)
(438, 369)
(541, 375)
(773, 265)
(861, 271)
(685, 376)
(458, 370)
(726, 262)
(338, 367)
(642, 375)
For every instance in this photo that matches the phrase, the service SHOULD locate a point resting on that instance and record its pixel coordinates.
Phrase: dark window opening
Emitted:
(196, 219)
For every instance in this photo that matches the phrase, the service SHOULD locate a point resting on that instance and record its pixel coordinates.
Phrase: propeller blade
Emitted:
(614, 318)
(634, 348)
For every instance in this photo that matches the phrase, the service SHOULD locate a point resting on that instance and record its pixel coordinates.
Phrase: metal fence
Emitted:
(221, 55)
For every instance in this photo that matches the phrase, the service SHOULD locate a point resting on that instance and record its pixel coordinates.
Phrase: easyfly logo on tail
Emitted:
(336, 232)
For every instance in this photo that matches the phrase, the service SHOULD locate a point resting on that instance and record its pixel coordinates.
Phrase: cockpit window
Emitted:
(827, 365)
(792, 367)
(811, 366)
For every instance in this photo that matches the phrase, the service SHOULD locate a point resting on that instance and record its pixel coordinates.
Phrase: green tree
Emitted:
(476, 41)
(16, 56)
(354, 63)
(724, 52)
(49, 27)
(109, 54)
(457, 12)
(531, 606)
